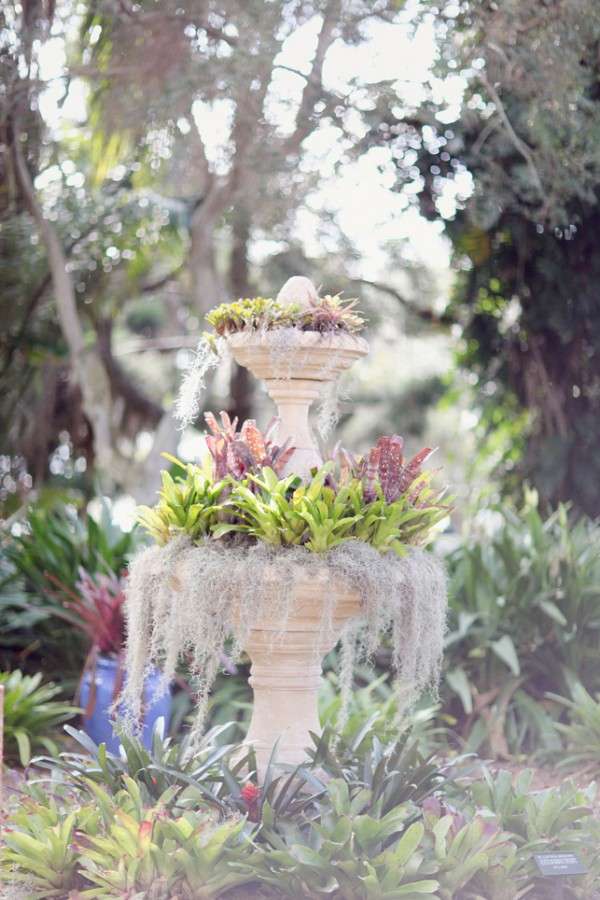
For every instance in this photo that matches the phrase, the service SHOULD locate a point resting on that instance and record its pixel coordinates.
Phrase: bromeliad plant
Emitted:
(244, 452)
(383, 824)
(320, 517)
(119, 845)
(59, 544)
(31, 714)
(41, 564)
(379, 499)
(190, 503)
(94, 607)
(259, 313)
(524, 626)
(398, 505)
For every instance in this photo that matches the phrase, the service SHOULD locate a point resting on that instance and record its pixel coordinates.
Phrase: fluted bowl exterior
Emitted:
(293, 354)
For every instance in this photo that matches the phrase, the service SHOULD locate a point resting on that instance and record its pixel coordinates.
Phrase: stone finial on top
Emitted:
(298, 290)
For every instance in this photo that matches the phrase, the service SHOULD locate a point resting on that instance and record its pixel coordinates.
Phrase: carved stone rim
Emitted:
(301, 339)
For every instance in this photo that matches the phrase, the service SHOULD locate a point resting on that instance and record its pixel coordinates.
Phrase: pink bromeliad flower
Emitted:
(250, 794)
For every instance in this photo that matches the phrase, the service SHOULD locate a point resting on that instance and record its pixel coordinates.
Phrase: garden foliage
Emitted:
(45, 565)
(581, 732)
(381, 499)
(385, 824)
(58, 543)
(524, 624)
(31, 713)
(329, 315)
(525, 235)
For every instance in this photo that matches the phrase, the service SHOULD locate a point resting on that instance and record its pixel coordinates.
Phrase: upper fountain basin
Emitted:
(288, 353)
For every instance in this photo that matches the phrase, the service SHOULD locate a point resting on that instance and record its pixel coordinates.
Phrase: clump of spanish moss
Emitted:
(186, 600)
(328, 410)
(208, 354)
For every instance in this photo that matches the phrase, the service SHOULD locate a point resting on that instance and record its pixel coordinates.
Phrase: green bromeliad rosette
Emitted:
(380, 498)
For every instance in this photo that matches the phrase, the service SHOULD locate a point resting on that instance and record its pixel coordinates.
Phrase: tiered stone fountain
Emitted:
(287, 605)
(286, 657)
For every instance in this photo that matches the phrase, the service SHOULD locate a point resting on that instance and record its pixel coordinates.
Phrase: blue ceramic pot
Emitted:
(98, 724)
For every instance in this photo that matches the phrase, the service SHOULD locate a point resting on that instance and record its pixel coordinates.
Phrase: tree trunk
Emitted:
(206, 284)
(87, 363)
(241, 387)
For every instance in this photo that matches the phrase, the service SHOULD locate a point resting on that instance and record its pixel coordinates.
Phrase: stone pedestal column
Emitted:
(293, 399)
(296, 371)
(286, 666)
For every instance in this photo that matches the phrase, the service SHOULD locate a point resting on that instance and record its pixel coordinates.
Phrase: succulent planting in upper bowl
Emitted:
(327, 315)
(277, 338)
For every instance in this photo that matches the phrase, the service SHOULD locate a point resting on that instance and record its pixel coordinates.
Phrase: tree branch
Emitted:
(484, 134)
(518, 143)
(426, 315)
(142, 17)
(151, 286)
(313, 88)
(122, 385)
(160, 345)
(65, 295)
(292, 70)
(39, 292)
(34, 299)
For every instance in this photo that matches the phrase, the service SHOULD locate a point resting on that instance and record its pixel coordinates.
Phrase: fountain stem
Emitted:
(293, 398)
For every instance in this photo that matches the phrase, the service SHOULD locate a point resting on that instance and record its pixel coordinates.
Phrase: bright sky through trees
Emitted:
(357, 194)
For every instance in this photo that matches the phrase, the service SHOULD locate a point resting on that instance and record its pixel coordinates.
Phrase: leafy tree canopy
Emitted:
(514, 174)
